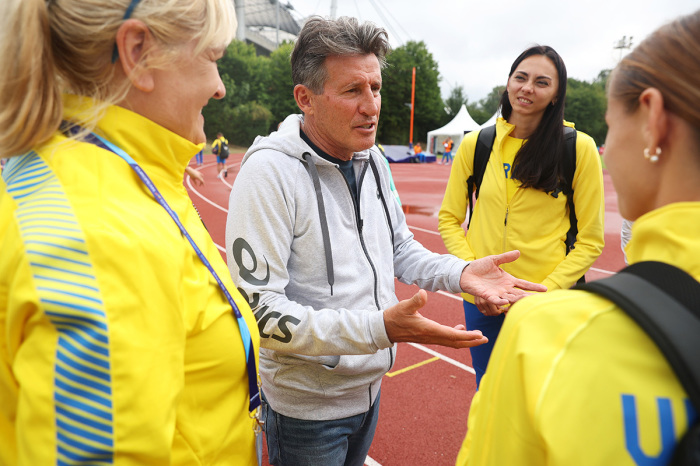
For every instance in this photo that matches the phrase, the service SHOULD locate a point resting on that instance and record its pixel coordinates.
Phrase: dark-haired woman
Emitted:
(521, 204)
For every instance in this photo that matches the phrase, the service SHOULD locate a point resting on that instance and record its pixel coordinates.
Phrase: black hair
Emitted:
(538, 163)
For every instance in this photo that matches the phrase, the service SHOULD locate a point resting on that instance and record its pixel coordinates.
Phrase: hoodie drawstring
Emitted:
(313, 173)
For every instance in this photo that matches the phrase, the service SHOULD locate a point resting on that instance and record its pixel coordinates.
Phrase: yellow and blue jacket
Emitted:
(115, 341)
(573, 380)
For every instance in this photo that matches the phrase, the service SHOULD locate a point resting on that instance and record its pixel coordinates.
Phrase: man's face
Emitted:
(343, 119)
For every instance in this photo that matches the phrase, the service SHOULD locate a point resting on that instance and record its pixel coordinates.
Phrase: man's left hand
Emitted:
(484, 278)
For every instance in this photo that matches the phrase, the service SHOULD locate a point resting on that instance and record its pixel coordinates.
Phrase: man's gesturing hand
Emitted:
(403, 322)
(485, 279)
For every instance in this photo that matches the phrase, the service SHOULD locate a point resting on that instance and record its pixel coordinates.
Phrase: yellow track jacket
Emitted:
(115, 341)
(574, 381)
(533, 222)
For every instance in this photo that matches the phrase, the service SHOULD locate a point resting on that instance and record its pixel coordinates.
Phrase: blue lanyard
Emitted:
(242, 326)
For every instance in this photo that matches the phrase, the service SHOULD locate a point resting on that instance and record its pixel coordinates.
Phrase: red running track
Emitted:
(426, 397)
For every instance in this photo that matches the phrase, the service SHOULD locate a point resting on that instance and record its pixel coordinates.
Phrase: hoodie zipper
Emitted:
(360, 226)
(505, 228)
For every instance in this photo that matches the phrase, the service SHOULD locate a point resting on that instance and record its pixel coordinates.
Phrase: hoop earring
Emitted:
(652, 158)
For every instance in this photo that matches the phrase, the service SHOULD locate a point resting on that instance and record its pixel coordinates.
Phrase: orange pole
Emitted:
(413, 101)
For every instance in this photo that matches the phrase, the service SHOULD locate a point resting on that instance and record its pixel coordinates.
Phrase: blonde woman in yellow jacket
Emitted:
(573, 380)
(519, 206)
(117, 346)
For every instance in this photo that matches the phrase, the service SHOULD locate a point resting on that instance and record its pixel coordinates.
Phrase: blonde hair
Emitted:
(70, 48)
(668, 61)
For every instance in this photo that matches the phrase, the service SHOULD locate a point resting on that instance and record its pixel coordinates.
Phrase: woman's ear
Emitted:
(655, 130)
(133, 42)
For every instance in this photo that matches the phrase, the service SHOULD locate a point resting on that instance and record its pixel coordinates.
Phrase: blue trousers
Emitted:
(490, 326)
(200, 157)
(339, 442)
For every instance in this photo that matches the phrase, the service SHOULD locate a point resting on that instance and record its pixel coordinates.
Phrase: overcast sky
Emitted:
(474, 43)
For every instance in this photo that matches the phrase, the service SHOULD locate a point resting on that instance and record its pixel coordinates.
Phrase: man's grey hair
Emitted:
(322, 37)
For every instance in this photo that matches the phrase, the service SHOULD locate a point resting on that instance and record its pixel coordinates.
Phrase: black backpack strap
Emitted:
(569, 171)
(665, 302)
(482, 153)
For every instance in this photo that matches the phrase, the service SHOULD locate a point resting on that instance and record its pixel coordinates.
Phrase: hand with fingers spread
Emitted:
(404, 323)
(485, 279)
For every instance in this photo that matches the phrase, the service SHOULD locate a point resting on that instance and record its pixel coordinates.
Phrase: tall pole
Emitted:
(334, 8)
(413, 101)
(277, 14)
(240, 15)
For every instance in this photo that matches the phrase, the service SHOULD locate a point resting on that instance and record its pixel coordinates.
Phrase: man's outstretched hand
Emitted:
(485, 279)
(403, 322)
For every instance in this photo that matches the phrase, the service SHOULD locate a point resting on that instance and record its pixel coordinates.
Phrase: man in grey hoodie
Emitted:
(314, 239)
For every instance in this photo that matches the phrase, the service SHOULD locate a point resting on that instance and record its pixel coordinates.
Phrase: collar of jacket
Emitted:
(148, 143)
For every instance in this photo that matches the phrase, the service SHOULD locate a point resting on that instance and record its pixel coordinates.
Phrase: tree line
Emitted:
(259, 95)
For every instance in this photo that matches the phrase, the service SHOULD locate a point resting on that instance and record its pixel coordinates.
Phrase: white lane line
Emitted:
(205, 199)
(602, 271)
(443, 357)
(370, 462)
(424, 230)
(450, 295)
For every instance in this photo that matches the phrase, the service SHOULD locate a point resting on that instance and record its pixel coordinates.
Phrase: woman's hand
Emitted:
(487, 308)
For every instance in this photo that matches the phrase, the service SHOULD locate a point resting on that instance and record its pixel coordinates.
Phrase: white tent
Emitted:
(492, 120)
(460, 124)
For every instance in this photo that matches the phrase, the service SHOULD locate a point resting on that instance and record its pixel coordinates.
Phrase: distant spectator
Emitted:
(418, 150)
(217, 149)
(447, 155)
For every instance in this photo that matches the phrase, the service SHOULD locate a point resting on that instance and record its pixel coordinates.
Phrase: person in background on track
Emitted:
(199, 157)
(220, 161)
(118, 346)
(520, 205)
(572, 379)
(447, 155)
(418, 150)
(315, 240)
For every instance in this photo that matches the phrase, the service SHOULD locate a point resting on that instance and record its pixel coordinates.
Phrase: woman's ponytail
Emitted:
(30, 93)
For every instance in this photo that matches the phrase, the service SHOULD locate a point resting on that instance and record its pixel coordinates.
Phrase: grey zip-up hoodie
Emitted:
(318, 270)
